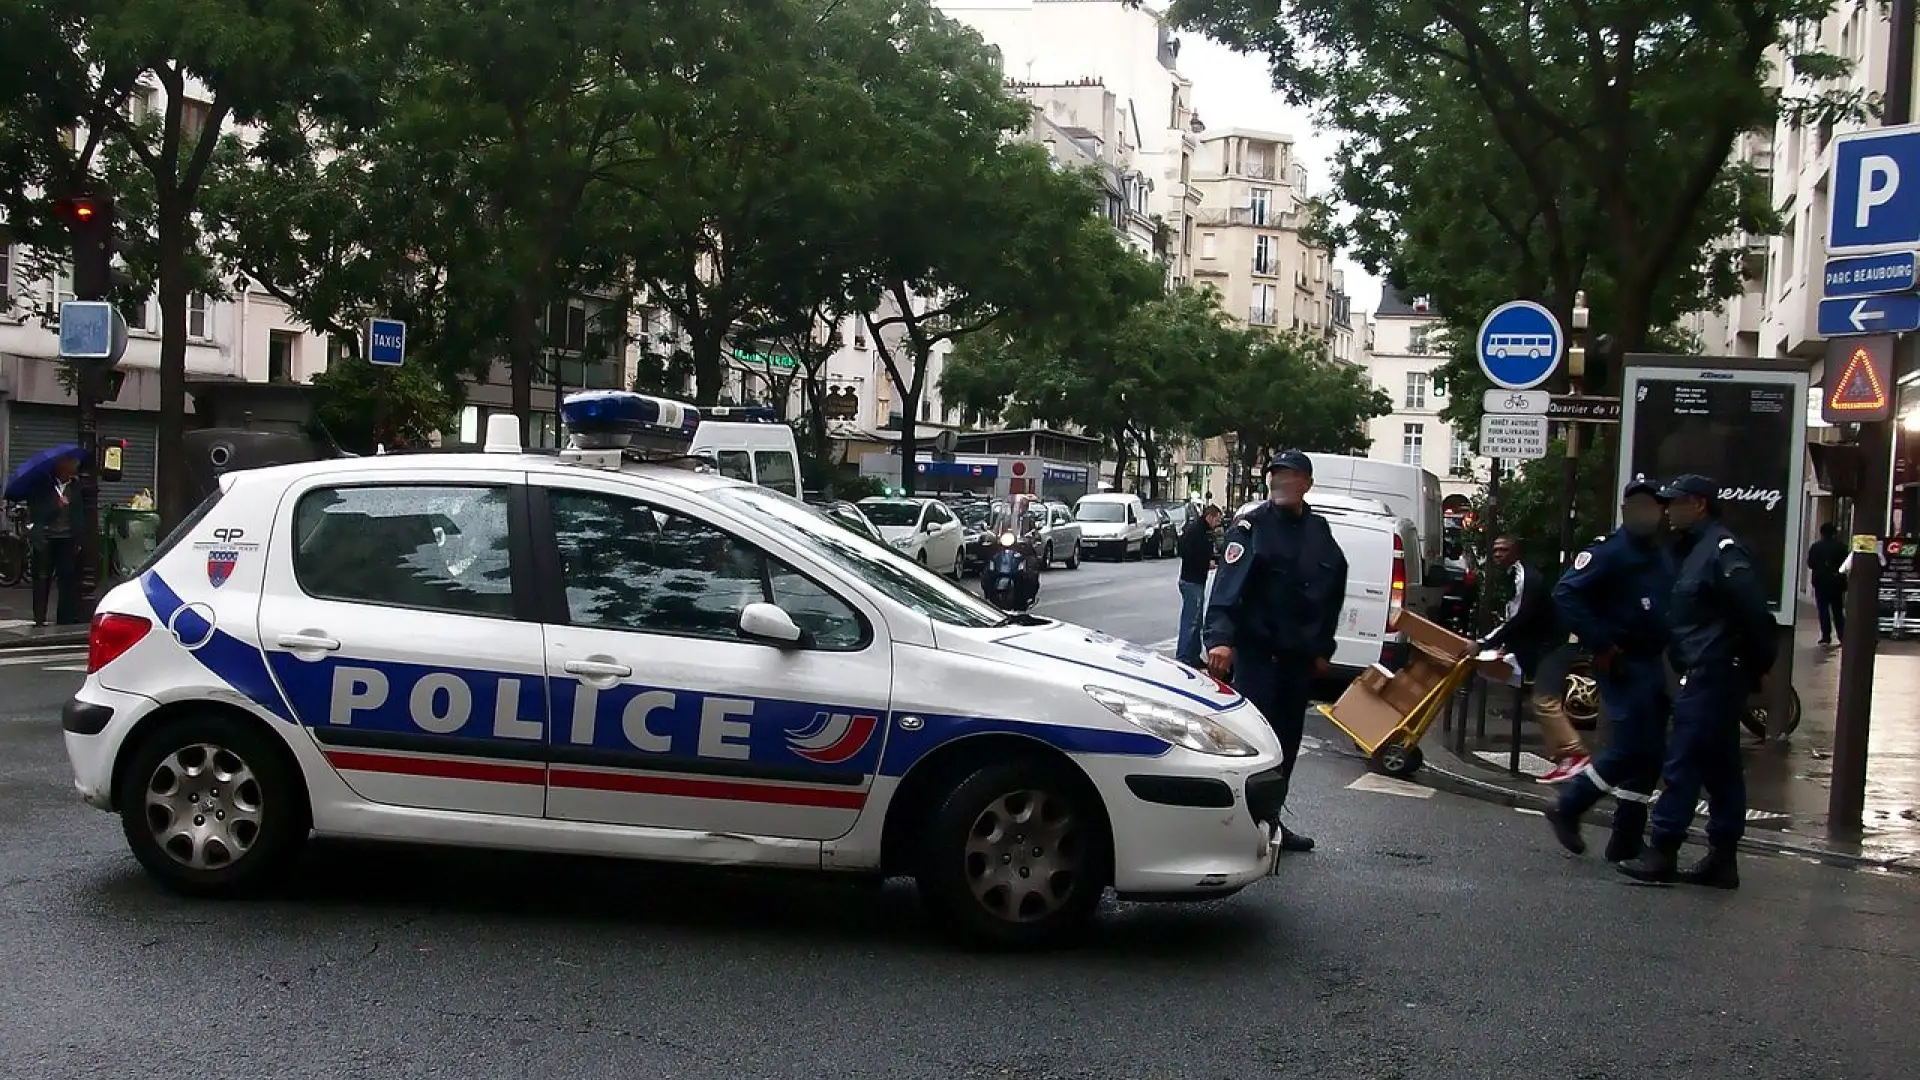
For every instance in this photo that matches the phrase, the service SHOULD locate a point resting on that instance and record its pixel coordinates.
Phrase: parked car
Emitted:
(923, 530)
(1112, 525)
(1164, 522)
(1460, 582)
(846, 513)
(1059, 534)
(976, 520)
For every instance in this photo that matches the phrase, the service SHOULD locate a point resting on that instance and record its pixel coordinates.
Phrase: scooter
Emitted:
(1010, 580)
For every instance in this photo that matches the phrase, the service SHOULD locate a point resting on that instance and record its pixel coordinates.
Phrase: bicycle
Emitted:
(16, 555)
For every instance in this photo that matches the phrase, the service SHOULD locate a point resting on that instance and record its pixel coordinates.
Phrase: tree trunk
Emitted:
(814, 388)
(1120, 448)
(173, 495)
(709, 370)
(522, 355)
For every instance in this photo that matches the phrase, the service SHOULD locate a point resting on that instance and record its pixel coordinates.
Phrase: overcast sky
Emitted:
(1234, 90)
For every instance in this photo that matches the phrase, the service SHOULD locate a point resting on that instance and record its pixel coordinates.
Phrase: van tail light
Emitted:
(1397, 596)
(111, 637)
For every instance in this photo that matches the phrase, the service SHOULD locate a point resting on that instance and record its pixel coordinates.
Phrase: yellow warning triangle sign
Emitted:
(1860, 387)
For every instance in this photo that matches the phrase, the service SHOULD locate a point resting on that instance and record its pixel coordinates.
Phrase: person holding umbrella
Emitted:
(47, 484)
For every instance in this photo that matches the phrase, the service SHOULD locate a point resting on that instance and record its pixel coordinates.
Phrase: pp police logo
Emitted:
(220, 564)
(1581, 560)
(832, 737)
(1233, 553)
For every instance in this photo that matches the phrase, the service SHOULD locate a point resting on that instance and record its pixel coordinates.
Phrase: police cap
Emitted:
(1690, 484)
(1291, 459)
(1641, 485)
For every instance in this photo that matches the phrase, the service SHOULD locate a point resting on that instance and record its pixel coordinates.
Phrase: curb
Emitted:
(1455, 781)
(43, 640)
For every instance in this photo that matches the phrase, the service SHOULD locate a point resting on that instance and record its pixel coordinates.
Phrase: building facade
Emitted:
(1251, 246)
(1404, 348)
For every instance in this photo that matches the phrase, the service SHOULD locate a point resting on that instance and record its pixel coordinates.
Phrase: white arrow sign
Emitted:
(1861, 316)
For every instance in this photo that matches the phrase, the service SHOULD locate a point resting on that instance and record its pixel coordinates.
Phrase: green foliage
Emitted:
(1288, 395)
(1531, 502)
(363, 407)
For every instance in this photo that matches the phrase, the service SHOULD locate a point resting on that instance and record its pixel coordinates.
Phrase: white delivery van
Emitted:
(744, 442)
(1408, 490)
(1112, 525)
(1425, 585)
(1376, 547)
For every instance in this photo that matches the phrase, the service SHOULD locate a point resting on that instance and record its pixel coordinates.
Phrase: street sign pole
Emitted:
(1848, 795)
(1570, 478)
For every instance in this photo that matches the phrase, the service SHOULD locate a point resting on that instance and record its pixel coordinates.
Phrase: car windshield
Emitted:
(1101, 512)
(895, 513)
(848, 516)
(880, 567)
(973, 515)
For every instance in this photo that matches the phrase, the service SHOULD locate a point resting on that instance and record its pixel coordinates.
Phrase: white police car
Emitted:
(578, 653)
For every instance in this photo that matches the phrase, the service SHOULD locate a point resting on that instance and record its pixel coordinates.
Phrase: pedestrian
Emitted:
(1531, 633)
(1196, 561)
(1275, 604)
(1824, 559)
(1614, 598)
(1721, 644)
(53, 538)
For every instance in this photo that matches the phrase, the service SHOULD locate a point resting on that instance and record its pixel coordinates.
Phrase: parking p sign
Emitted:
(386, 342)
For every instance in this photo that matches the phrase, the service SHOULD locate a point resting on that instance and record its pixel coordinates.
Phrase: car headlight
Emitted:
(903, 542)
(1181, 727)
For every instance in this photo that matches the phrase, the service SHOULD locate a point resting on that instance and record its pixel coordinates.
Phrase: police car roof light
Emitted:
(748, 414)
(606, 419)
(503, 434)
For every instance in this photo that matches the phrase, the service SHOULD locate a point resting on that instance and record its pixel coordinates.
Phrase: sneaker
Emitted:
(1567, 769)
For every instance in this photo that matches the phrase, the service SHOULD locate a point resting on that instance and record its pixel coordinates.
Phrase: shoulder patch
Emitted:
(1233, 553)
(1581, 560)
(1243, 523)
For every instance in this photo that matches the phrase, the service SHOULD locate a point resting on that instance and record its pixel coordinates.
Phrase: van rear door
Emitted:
(1362, 639)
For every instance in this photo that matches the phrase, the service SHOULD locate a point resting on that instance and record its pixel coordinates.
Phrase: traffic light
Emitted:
(90, 218)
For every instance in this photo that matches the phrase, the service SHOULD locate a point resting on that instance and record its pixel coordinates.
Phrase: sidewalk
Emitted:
(1788, 781)
(16, 624)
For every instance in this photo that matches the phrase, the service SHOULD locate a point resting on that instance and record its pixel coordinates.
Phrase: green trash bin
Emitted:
(131, 537)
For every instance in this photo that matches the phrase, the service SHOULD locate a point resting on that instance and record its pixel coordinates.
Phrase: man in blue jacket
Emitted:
(1722, 641)
(1276, 601)
(1614, 598)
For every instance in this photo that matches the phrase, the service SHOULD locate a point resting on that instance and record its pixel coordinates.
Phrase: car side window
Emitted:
(937, 514)
(776, 471)
(629, 566)
(734, 465)
(426, 547)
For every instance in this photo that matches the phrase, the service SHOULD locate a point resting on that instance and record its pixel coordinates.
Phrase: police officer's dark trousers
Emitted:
(1279, 685)
(1704, 753)
(1633, 697)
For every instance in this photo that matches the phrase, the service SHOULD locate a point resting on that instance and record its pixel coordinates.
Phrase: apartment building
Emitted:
(1129, 49)
(1404, 348)
(1250, 245)
(1084, 125)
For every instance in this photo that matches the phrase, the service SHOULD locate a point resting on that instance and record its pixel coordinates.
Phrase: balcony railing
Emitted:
(1266, 266)
(1259, 316)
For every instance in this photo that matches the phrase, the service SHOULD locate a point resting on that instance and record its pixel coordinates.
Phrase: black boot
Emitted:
(1624, 846)
(1655, 866)
(1293, 841)
(1716, 870)
(1566, 829)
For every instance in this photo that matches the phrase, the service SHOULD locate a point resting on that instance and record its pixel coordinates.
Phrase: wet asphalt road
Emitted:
(1429, 936)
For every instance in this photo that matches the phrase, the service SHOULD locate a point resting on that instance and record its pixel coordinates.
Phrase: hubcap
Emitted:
(203, 806)
(1583, 697)
(1025, 857)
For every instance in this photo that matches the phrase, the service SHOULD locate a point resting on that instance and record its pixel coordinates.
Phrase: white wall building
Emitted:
(1404, 348)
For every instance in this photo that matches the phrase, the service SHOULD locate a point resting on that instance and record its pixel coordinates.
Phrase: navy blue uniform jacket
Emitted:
(1281, 585)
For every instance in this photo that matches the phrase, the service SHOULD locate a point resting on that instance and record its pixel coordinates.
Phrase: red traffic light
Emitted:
(85, 210)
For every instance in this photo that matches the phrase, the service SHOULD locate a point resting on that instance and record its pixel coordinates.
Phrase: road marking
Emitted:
(1387, 785)
(82, 668)
(1536, 766)
(1166, 646)
(64, 655)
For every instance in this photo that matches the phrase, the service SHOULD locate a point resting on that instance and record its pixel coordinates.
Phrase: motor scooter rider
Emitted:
(1013, 556)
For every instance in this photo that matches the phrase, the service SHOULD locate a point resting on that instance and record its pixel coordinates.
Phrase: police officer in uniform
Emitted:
(1276, 600)
(1614, 598)
(1721, 644)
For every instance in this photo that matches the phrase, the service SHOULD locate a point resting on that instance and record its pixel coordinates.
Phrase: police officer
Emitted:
(1721, 644)
(1276, 600)
(1614, 598)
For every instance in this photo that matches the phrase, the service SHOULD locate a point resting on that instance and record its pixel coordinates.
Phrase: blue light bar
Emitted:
(603, 419)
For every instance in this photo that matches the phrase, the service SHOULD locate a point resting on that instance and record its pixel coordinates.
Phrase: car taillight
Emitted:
(1397, 597)
(111, 637)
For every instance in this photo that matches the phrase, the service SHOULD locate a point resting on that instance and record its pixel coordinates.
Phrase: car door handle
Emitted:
(308, 641)
(598, 669)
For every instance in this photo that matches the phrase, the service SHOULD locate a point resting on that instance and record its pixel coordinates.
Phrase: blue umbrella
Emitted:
(38, 470)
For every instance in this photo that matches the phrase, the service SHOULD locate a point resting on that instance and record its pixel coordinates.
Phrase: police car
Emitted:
(579, 652)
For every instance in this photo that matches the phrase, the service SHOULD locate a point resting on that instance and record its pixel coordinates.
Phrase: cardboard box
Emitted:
(1378, 701)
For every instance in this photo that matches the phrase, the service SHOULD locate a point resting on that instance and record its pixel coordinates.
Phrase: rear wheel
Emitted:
(1073, 556)
(1582, 700)
(1046, 557)
(212, 806)
(1015, 856)
(1755, 718)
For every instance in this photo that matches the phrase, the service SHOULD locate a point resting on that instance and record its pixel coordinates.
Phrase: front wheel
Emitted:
(1016, 855)
(1398, 760)
(1046, 557)
(1582, 700)
(212, 806)
(1073, 556)
(1755, 718)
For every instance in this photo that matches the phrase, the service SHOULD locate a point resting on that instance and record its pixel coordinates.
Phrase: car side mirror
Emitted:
(767, 622)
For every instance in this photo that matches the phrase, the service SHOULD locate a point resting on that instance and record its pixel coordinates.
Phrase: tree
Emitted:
(1136, 367)
(363, 407)
(1286, 395)
(470, 200)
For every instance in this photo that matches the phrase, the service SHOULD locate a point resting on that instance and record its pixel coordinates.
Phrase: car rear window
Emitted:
(180, 531)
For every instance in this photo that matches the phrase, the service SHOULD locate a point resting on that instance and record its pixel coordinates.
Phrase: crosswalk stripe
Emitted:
(1387, 785)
